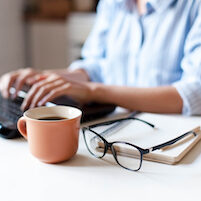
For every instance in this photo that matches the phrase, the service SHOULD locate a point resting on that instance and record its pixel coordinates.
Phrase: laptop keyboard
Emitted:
(10, 111)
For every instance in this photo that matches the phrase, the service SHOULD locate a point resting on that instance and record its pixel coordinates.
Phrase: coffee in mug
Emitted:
(52, 118)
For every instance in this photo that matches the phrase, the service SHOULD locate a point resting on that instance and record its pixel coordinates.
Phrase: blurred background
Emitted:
(43, 34)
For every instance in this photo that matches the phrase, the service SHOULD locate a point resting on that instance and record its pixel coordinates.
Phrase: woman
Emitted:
(142, 55)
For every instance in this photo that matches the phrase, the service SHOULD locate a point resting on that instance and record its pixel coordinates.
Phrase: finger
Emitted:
(7, 82)
(20, 81)
(62, 90)
(3, 90)
(44, 90)
(34, 89)
(35, 79)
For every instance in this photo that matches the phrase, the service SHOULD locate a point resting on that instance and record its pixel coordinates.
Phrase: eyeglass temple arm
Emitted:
(171, 141)
(119, 120)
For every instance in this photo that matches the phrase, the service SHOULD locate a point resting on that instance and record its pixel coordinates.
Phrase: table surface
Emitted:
(23, 177)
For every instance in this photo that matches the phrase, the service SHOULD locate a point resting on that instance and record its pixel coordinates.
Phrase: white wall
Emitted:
(79, 26)
(55, 44)
(12, 45)
(47, 44)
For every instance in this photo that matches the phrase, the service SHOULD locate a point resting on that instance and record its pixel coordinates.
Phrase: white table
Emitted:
(24, 178)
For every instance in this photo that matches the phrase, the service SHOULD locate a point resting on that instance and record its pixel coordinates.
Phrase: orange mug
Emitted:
(52, 132)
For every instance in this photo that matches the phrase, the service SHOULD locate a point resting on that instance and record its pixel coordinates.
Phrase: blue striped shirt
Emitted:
(160, 48)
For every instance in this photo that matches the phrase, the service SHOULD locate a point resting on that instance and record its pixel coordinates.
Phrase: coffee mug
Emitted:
(52, 132)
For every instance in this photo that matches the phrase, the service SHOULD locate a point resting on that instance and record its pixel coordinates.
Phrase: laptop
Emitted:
(10, 112)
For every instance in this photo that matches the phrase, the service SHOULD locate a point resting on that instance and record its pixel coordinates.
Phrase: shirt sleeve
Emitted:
(94, 49)
(189, 87)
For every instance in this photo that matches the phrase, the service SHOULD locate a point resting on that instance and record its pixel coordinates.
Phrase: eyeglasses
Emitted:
(127, 155)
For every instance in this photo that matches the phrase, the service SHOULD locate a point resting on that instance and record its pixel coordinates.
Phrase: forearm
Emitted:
(158, 99)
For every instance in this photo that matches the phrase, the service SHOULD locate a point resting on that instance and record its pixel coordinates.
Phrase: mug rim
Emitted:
(25, 114)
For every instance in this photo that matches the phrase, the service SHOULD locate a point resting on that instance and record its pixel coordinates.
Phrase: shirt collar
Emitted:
(158, 5)
(154, 5)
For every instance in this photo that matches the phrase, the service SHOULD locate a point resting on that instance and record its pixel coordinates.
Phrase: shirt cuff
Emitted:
(190, 93)
(90, 67)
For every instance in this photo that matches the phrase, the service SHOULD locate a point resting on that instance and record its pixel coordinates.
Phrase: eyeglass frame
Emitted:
(109, 145)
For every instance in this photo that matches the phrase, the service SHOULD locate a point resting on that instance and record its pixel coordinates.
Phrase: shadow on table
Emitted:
(80, 160)
(194, 153)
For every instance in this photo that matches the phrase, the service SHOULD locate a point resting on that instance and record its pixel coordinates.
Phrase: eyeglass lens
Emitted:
(94, 144)
(127, 156)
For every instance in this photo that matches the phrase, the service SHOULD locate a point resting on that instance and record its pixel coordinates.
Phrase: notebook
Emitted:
(167, 127)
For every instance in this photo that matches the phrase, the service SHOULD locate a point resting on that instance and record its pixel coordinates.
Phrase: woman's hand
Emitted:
(54, 86)
(17, 79)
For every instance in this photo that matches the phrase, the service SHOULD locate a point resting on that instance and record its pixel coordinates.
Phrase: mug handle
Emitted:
(21, 125)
